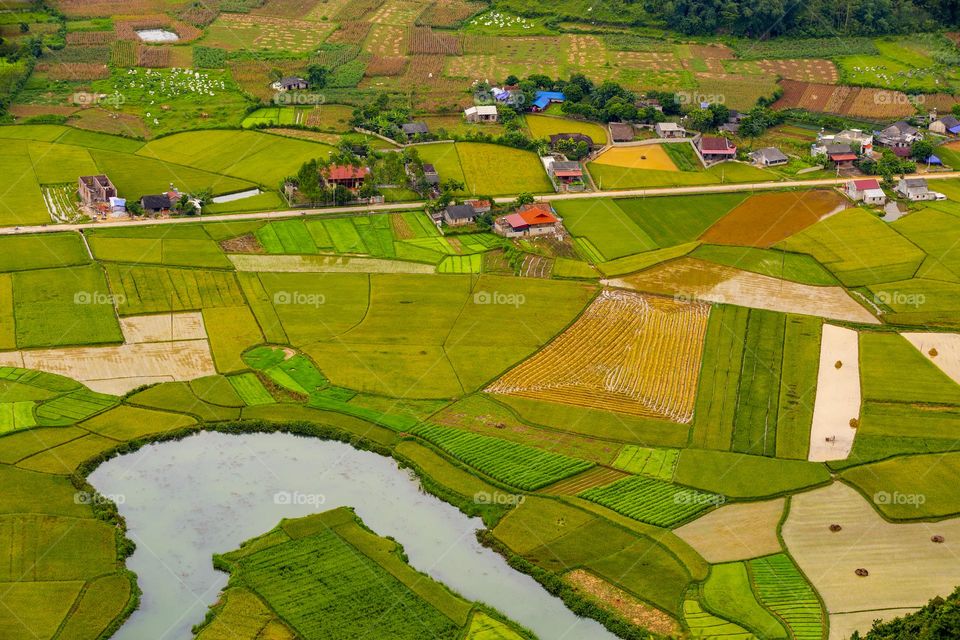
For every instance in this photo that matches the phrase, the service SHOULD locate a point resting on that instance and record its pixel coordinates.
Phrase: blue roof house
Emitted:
(542, 99)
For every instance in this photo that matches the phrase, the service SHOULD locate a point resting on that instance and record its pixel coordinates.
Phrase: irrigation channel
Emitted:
(187, 500)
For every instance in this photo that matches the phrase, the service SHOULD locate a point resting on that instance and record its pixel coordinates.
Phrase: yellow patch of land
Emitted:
(650, 156)
(736, 531)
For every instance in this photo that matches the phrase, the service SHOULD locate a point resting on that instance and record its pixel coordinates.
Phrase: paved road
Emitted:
(407, 206)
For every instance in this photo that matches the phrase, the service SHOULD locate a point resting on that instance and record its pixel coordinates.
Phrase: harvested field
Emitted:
(243, 31)
(596, 477)
(74, 71)
(620, 602)
(652, 157)
(700, 280)
(350, 32)
(449, 13)
(627, 353)
(90, 37)
(736, 531)
(765, 219)
(906, 568)
(386, 41)
(424, 40)
(856, 102)
(384, 66)
(164, 327)
(806, 69)
(942, 349)
(838, 395)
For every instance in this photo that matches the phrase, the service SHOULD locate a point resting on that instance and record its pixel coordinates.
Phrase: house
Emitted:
(769, 157)
(945, 126)
(899, 134)
(481, 113)
(95, 190)
(649, 103)
(856, 138)
(457, 215)
(669, 130)
(841, 155)
(715, 149)
(575, 137)
(292, 83)
(914, 189)
(733, 128)
(156, 204)
(530, 220)
(415, 128)
(565, 172)
(431, 175)
(480, 206)
(621, 131)
(866, 191)
(543, 99)
(345, 175)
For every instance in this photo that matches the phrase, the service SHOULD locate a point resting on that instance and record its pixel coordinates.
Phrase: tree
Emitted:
(921, 149)
(317, 76)
(955, 110)
(24, 27)
(511, 80)
(700, 120)
(572, 149)
(522, 199)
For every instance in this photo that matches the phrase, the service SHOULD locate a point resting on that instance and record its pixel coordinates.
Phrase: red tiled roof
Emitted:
(575, 173)
(716, 145)
(516, 221)
(345, 172)
(537, 214)
(863, 185)
(843, 157)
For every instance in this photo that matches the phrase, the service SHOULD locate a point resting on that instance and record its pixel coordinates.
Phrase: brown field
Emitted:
(627, 353)
(765, 219)
(73, 71)
(871, 104)
(424, 40)
(644, 157)
(383, 66)
(351, 32)
(906, 568)
(106, 121)
(621, 602)
(736, 531)
(695, 279)
(91, 37)
(30, 110)
(806, 70)
(108, 8)
(449, 13)
(163, 327)
(154, 57)
(286, 8)
(357, 9)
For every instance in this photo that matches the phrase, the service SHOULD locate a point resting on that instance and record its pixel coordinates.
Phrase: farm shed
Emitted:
(95, 189)
(714, 149)
(457, 215)
(841, 154)
(543, 99)
(899, 134)
(914, 189)
(946, 126)
(345, 175)
(621, 131)
(530, 220)
(769, 157)
(669, 130)
(291, 83)
(430, 174)
(155, 204)
(566, 171)
(415, 128)
(855, 138)
(482, 113)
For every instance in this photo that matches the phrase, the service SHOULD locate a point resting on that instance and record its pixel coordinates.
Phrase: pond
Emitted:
(157, 35)
(187, 500)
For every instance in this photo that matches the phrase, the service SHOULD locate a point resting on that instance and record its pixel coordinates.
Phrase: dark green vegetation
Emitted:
(938, 620)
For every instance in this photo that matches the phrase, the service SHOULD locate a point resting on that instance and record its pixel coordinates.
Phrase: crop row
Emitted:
(652, 501)
(656, 463)
(514, 464)
(73, 407)
(783, 589)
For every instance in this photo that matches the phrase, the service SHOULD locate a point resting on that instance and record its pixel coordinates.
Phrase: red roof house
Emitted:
(714, 148)
(345, 175)
(529, 220)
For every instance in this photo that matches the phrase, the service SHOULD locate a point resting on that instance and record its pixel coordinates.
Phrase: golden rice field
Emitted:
(651, 157)
(628, 353)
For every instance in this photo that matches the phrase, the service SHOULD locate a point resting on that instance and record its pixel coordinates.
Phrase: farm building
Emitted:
(649, 103)
(841, 155)
(855, 138)
(914, 189)
(866, 191)
(621, 131)
(899, 134)
(946, 126)
(95, 189)
(415, 128)
(457, 215)
(769, 157)
(431, 175)
(575, 137)
(543, 99)
(714, 149)
(480, 206)
(482, 113)
(156, 204)
(669, 130)
(565, 173)
(292, 83)
(345, 175)
(530, 220)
